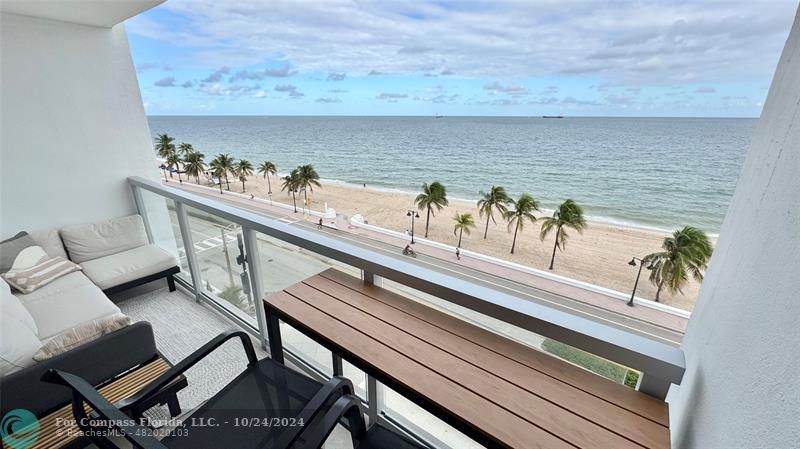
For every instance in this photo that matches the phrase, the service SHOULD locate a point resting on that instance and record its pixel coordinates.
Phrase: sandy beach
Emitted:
(599, 256)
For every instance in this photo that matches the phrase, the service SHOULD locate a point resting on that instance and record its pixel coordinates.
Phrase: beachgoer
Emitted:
(365, 185)
(320, 224)
(458, 254)
(252, 196)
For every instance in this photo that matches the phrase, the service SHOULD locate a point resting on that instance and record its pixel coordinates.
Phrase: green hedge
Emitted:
(593, 363)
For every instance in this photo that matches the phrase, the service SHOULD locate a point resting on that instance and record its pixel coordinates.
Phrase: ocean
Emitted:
(660, 173)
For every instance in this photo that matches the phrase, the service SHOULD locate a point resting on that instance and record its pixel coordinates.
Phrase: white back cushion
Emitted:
(90, 241)
(18, 344)
(65, 303)
(11, 306)
(50, 241)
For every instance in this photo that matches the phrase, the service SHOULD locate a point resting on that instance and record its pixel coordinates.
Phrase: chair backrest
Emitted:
(94, 240)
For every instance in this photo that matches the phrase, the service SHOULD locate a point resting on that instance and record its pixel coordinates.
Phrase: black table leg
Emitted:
(274, 335)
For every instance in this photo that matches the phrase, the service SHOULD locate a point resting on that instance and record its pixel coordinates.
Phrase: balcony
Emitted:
(222, 290)
(71, 137)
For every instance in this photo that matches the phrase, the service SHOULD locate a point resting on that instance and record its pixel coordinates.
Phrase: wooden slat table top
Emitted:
(502, 392)
(54, 434)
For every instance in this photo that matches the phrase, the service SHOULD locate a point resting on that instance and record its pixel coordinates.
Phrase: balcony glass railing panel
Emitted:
(283, 264)
(216, 248)
(424, 425)
(164, 229)
(598, 365)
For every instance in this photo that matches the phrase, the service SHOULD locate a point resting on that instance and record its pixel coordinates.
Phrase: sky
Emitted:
(450, 57)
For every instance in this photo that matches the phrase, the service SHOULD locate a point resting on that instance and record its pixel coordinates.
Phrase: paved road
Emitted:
(644, 321)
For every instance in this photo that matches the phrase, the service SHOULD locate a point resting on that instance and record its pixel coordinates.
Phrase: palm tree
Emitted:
(219, 172)
(569, 215)
(225, 162)
(433, 195)
(164, 145)
(496, 198)
(173, 160)
(268, 168)
(193, 165)
(243, 169)
(307, 178)
(685, 253)
(185, 149)
(524, 208)
(463, 223)
(290, 184)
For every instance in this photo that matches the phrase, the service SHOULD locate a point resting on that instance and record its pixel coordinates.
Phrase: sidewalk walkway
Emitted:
(527, 283)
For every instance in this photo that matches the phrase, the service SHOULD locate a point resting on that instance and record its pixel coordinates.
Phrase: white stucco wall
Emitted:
(73, 124)
(743, 341)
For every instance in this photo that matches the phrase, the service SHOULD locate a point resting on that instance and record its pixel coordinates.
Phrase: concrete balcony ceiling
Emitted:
(84, 12)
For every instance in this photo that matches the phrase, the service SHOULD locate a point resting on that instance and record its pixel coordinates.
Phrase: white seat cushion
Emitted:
(18, 344)
(65, 303)
(11, 305)
(136, 263)
(94, 240)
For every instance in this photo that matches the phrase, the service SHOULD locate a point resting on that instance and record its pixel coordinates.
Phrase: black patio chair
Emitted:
(348, 408)
(267, 406)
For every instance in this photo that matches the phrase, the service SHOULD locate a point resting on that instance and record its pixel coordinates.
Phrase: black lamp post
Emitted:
(639, 273)
(413, 214)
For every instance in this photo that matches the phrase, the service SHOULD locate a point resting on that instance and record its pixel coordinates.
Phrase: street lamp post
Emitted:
(413, 214)
(639, 273)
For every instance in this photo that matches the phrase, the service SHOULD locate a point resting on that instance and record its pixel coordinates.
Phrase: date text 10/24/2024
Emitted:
(71, 425)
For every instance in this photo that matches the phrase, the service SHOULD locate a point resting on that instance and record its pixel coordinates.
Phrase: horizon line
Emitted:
(549, 117)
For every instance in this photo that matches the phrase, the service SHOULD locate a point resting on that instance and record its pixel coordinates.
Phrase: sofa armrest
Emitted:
(96, 361)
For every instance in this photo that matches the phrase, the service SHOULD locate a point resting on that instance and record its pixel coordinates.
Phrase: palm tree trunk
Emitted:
(227, 183)
(460, 234)
(197, 179)
(658, 291)
(486, 230)
(242, 185)
(555, 245)
(294, 201)
(179, 177)
(514, 242)
(427, 221)
(305, 201)
(269, 186)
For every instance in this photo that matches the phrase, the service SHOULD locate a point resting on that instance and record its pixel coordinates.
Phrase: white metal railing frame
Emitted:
(660, 363)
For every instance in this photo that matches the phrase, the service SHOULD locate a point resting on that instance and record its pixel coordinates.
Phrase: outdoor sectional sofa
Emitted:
(113, 255)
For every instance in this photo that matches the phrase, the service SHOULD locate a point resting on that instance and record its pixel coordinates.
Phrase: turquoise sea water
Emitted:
(652, 172)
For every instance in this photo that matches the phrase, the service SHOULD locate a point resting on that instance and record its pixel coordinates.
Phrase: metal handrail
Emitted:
(655, 359)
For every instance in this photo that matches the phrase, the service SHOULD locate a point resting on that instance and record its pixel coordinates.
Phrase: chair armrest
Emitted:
(345, 407)
(83, 392)
(132, 403)
(333, 389)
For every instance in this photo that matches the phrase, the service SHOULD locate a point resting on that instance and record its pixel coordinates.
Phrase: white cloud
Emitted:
(391, 96)
(216, 75)
(168, 81)
(336, 76)
(637, 42)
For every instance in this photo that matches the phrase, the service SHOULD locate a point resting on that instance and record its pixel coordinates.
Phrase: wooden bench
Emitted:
(497, 391)
(53, 433)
